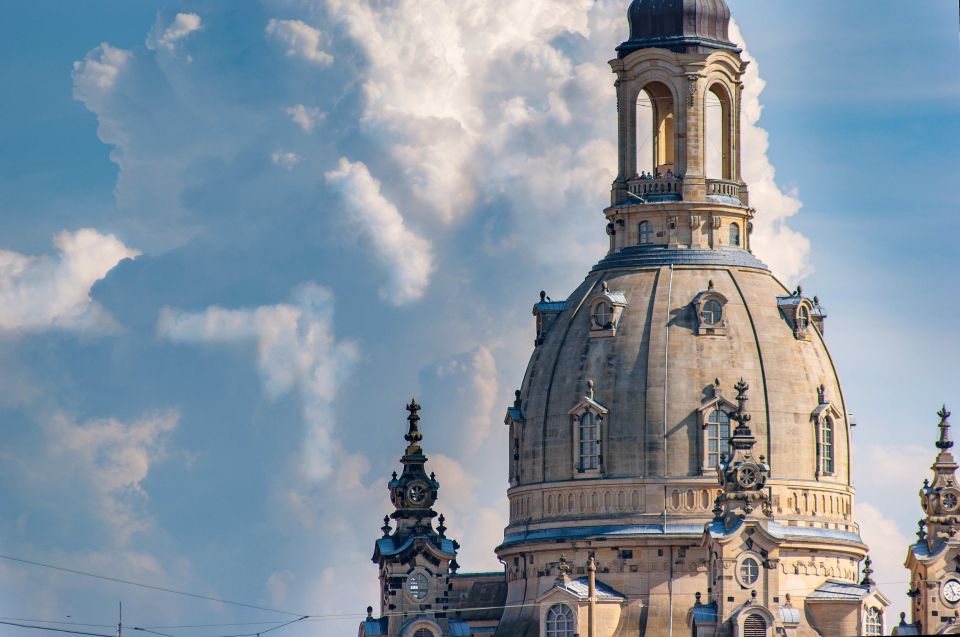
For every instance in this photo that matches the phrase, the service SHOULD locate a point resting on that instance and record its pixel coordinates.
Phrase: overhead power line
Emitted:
(56, 630)
(152, 587)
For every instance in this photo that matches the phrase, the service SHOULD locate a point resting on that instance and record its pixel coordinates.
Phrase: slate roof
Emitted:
(551, 306)
(580, 588)
(388, 545)
(789, 615)
(375, 627)
(833, 590)
(658, 255)
(705, 613)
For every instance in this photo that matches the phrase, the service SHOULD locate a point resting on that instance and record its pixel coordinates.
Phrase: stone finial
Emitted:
(386, 526)
(717, 508)
(741, 415)
(590, 389)
(413, 435)
(394, 475)
(516, 399)
(816, 301)
(454, 566)
(944, 442)
(787, 597)
(369, 612)
(710, 284)
(867, 573)
(921, 531)
(604, 286)
(753, 594)
(592, 565)
(543, 295)
(903, 618)
(822, 394)
(697, 597)
(441, 529)
(563, 571)
(799, 291)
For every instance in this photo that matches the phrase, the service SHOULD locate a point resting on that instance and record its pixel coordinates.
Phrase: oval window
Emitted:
(712, 312)
(603, 315)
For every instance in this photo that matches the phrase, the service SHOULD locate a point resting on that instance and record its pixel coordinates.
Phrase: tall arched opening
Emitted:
(717, 128)
(656, 138)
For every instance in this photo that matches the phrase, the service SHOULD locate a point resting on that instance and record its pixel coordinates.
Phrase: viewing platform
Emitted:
(665, 189)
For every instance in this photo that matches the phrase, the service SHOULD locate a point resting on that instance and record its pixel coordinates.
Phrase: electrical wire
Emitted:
(55, 630)
(161, 589)
(54, 621)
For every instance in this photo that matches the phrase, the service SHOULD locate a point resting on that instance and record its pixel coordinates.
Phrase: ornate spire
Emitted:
(944, 442)
(413, 435)
(868, 573)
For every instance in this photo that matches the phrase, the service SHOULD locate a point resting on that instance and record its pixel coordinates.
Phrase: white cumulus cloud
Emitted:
(115, 458)
(785, 250)
(306, 117)
(166, 36)
(301, 40)
(53, 292)
(407, 256)
(296, 350)
(96, 74)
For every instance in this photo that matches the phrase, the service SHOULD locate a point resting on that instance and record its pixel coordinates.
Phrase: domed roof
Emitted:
(683, 26)
(659, 374)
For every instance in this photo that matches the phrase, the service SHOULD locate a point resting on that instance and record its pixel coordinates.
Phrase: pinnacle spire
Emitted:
(413, 434)
(944, 442)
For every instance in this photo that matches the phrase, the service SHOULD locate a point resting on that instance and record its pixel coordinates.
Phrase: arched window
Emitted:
(803, 318)
(424, 632)
(873, 624)
(718, 437)
(644, 233)
(655, 139)
(602, 315)
(589, 442)
(754, 626)
(559, 621)
(734, 234)
(716, 133)
(712, 312)
(826, 446)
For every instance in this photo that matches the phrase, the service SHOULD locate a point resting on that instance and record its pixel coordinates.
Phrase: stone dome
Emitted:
(682, 26)
(653, 381)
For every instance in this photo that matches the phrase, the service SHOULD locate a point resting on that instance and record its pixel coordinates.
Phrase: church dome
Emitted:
(650, 346)
(683, 26)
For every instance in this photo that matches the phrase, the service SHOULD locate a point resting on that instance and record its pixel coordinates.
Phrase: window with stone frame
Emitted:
(645, 233)
(873, 622)
(735, 234)
(560, 621)
(827, 431)
(717, 435)
(589, 440)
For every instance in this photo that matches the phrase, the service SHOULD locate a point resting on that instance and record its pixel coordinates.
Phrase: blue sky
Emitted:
(235, 238)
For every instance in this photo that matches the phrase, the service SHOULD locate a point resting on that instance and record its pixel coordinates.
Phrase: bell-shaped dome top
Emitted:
(683, 26)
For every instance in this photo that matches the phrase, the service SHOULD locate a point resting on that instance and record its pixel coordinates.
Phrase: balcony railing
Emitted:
(661, 186)
(671, 188)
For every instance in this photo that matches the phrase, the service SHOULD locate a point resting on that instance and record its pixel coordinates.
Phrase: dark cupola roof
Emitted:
(682, 26)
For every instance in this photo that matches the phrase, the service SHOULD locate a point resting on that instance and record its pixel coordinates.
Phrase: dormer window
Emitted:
(645, 233)
(825, 418)
(589, 442)
(606, 308)
(588, 420)
(709, 307)
(603, 315)
(826, 446)
(714, 418)
(802, 314)
(717, 437)
(712, 312)
(735, 234)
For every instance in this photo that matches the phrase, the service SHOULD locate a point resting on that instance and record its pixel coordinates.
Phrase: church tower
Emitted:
(631, 465)
(934, 561)
(415, 559)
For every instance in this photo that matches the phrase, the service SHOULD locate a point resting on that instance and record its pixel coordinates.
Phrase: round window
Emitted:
(418, 586)
(712, 312)
(602, 315)
(949, 500)
(749, 571)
